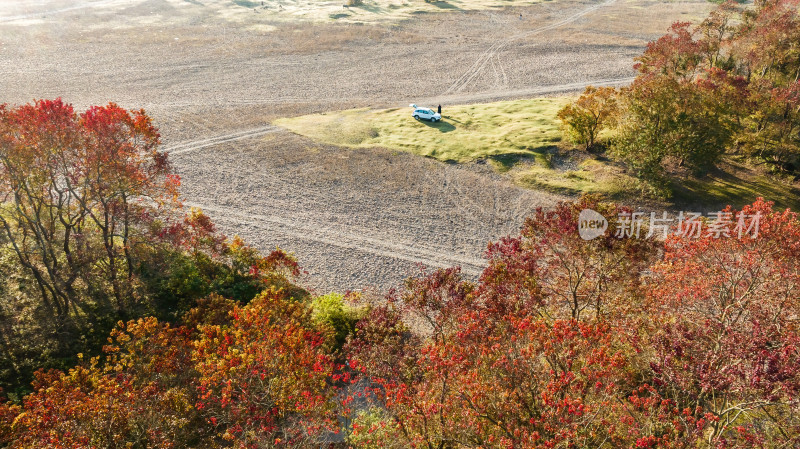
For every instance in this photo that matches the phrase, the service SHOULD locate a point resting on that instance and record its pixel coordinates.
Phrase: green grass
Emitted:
(500, 131)
(591, 176)
(736, 184)
(518, 138)
(515, 137)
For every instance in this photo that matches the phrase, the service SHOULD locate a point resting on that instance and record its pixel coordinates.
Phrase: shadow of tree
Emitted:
(722, 187)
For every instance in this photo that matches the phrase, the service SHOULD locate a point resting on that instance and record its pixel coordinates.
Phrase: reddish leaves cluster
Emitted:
(569, 343)
(551, 269)
(725, 323)
(137, 397)
(263, 379)
(563, 342)
(76, 196)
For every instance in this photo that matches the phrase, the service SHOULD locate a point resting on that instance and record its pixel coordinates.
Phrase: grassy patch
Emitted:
(522, 139)
(501, 131)
(519, 138)
(737, 184)
(590, 176)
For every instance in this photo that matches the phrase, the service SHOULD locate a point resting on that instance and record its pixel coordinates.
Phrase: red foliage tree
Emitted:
(245, 376)
(8, 413)
(141, 396)
(76, 193)
(725, 336)
(524, 359)
(676, 54)
(550, 269)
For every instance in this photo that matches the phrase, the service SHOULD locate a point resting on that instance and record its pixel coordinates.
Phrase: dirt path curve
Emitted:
(489, 55)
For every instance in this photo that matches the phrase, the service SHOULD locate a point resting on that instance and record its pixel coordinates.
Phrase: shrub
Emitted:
(331, 311)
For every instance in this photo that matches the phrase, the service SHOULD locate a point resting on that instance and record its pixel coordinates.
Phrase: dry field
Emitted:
(214, 74)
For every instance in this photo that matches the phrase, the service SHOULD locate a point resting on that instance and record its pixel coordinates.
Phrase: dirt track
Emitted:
(354, 218)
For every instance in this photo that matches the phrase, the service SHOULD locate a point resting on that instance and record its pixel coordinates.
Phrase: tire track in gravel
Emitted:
(502, 70)
(483, 60)
(344, 238)
(185, 147)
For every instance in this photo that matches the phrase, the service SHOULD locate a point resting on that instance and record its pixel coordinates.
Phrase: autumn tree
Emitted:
(691, 122)
(664, 112)
(727, 84)
(140, 397)
(552, 270)
(75, 193)
(766, 49)
(772, 130)
(676, 55)
(390, 355)
(8, 412)
(264, 380)
(565, 341)
(725, 347)
(525, 358)
(590, 114)
(623, 340)
(91, 232)
(505, 382)
(234, 375)
(199, 261)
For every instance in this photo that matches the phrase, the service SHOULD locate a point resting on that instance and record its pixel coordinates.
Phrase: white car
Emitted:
(425, 113)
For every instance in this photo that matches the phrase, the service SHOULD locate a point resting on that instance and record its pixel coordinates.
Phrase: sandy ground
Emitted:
(214, 76)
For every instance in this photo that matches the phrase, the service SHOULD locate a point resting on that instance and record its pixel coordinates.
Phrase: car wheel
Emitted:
(416, 117)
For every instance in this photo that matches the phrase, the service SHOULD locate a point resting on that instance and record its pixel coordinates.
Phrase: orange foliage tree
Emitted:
(244, 376)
